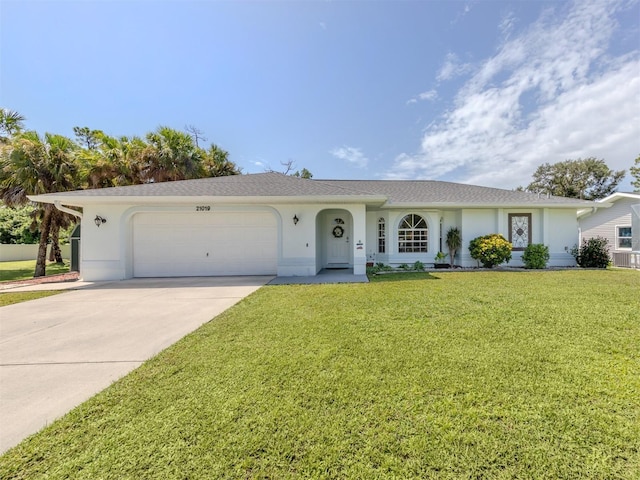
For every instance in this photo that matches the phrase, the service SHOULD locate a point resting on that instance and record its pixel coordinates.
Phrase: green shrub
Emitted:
(594, 253)
(381, 267)
(404, 267)
(440, 257)
(536, 255)
(16, 224)
(418, 266)
(490, 250)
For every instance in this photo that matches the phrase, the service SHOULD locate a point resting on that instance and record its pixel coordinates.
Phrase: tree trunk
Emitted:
(53, 235)
(45, 226)
(56, 253)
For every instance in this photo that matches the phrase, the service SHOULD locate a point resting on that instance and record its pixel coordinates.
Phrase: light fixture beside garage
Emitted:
(295, 219)
(99, 220)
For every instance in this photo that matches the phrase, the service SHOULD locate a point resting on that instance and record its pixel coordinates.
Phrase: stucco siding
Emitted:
(556, 228)
(561, 235)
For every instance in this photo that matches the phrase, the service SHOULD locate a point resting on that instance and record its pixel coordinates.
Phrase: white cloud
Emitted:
(351, 155)
(452, 68)
(548, 94)
(507, 24)
(429, 95)
(466, 8)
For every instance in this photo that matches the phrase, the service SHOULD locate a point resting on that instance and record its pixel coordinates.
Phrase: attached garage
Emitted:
(207, 243)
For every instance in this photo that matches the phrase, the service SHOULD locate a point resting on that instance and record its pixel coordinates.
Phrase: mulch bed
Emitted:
(63, 277)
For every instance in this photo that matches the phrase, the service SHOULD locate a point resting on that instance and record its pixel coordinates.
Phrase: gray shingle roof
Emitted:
(437, 193)
(425, 192)
(269, 184)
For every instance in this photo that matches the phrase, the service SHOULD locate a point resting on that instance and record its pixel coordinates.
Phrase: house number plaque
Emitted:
(203, 208)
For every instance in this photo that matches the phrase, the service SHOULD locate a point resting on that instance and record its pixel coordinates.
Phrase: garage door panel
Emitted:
(216, 243)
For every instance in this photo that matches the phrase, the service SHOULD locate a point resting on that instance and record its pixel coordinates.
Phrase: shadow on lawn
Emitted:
(18, 273)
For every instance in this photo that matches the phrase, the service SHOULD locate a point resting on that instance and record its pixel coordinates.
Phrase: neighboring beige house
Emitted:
(273, 224)
(616, 224)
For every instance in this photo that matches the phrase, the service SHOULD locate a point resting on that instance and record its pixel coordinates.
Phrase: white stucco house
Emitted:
(273, 224)
(619, 224)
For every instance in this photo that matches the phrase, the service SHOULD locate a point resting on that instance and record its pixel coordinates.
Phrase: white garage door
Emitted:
(204, 244)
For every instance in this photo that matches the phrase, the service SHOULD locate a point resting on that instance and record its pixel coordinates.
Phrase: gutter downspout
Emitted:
(75, 213)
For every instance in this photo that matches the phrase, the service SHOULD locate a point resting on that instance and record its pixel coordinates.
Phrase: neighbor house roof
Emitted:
(610, 200)
(276, 187)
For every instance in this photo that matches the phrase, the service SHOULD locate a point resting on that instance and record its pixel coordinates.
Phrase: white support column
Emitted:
(545, 226)
(359, 214)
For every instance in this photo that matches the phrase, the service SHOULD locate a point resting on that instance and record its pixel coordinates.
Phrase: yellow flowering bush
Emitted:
(490, 250)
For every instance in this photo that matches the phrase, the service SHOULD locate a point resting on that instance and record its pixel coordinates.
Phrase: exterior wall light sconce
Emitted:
(295, 219)
(99, 220)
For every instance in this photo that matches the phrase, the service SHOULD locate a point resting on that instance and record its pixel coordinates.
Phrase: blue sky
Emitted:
(477, 92)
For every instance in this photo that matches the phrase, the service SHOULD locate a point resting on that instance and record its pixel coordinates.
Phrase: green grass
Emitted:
(23, 270)
(9, 298)
(446, 375)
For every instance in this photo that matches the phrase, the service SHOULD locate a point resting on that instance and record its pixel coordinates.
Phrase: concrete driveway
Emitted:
(57, 352)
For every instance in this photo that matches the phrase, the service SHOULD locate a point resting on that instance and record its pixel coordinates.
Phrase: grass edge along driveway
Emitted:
(452, 375)
(9, 298)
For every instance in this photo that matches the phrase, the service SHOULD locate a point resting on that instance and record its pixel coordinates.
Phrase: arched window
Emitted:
(382, 236)
(413, 234)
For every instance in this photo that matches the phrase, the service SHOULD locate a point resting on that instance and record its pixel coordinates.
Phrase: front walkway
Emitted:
(324, 276)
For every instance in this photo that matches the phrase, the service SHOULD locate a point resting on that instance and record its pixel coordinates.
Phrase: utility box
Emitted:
(74, 239)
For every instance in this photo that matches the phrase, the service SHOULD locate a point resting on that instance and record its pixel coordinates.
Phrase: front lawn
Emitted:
(24, 269)
(447, 375)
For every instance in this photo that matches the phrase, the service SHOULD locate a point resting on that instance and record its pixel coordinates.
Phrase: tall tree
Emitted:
(170, 155)
(587, 179)
(35, 165)
(196, 134)
(635, 173)
(288, 166)
(216, 163)
(304, 173)
(11, 123)
(115, 162)
(87, 138)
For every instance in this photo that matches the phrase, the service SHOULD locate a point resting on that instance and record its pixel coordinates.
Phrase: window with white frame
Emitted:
(413, 234)
(623, 236)
(382, 236)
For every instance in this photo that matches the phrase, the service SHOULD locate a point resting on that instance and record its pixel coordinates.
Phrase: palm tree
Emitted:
(114, 162)
(31, 165)
(454, 242)
(11, 123)
(216, 163)
(170, 155)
